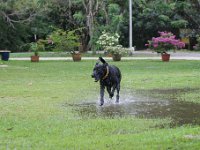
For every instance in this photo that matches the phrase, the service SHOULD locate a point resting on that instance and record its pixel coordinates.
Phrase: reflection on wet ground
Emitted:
(179, 112)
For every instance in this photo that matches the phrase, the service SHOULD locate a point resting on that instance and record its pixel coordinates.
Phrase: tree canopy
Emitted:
(24, 21)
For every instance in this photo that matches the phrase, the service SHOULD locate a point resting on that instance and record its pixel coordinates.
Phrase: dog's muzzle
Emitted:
(96, 80)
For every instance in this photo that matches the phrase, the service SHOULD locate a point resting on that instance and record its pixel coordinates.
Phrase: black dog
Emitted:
(109, 77)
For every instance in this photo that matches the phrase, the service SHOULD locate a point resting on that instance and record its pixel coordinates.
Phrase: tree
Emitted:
(151, 16)
(15, 18)
(190, 11)
(91, 10)
(18, 11)
(21, 19)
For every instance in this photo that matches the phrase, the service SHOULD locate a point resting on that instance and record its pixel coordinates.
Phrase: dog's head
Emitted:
(99, 70)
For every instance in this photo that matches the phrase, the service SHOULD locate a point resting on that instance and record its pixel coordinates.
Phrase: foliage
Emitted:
(115, 18)
(190, 11)
(165, 42)
(12, 38)
(108, 39)
(179, 23)
(116, 50)
(41, 44)
(197, 46)
(110, 19)
(34, 48)
(38, 46)
(18, 11)
(65, 40)
(20, 20)
(151, 16)
(16, 21)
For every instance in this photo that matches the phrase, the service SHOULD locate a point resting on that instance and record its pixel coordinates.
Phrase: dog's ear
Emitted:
(102, 60)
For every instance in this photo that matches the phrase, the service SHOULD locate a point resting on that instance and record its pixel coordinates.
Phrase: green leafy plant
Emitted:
(65, 40)
(34, 48)
(38, 46)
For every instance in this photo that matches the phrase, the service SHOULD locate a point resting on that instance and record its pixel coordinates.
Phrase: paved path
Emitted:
(137, 55)
(108, 58)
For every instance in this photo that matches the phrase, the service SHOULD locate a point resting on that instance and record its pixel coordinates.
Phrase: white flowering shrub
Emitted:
(117, 50)
(110, 43)
(108, 39)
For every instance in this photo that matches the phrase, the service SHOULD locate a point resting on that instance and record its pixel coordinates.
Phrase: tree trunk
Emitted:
(91, 8)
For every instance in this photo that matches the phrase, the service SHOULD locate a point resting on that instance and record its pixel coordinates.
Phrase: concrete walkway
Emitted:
(109, 58)
(137, 55)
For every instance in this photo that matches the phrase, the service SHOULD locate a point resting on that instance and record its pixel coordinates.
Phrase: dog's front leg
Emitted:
(117, 96)
(102, 87)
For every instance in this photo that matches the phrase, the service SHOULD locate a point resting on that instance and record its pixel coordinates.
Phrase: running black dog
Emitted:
(109, 77)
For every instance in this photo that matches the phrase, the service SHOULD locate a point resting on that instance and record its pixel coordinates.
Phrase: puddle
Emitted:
(144, 107)
(169, 91)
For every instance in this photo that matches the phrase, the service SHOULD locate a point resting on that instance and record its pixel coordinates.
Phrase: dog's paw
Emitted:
(117, 101)
(101, 104)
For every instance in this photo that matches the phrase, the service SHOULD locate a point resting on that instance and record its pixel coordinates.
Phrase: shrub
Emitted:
(65, 40)
(108, 39)
(197, 46)
(165, 42)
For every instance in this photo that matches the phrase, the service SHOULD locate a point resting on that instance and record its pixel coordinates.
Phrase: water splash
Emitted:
(132, 104)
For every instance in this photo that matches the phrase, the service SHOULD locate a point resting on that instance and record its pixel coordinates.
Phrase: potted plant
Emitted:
(66, 41)
(116, 51)
(34, 49)
(164, 43)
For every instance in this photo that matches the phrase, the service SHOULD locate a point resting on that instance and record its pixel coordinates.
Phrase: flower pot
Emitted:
(165, 57)
(34, 58)
(5, 55)
(76, 57)
(116, 57)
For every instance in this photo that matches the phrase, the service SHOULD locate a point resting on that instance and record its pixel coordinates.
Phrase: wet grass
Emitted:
(34, 115)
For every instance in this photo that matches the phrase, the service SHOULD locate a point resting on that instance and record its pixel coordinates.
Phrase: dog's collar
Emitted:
(107, 72)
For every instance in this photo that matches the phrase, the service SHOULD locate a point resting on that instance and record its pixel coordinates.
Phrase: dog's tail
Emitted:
(102, 60)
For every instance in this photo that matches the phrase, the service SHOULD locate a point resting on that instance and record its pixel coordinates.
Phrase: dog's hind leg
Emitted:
(117, 96)
(113, 90)
(109, 91)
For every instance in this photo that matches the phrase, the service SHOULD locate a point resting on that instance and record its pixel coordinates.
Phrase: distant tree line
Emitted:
(25, 21)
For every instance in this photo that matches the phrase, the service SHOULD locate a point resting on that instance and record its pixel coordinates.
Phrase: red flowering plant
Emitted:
(165, 42)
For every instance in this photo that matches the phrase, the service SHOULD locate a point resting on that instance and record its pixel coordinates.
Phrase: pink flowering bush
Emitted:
(165, 42)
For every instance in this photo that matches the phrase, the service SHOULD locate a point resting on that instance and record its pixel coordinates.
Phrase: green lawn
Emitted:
(34, 114)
